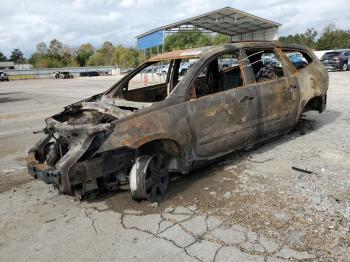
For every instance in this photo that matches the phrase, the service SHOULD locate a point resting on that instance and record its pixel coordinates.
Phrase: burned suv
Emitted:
(148, 126)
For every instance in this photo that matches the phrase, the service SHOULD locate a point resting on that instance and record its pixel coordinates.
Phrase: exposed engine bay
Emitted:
(68, 155)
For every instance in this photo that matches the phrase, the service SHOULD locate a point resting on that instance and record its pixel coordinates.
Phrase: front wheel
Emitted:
(149, 178)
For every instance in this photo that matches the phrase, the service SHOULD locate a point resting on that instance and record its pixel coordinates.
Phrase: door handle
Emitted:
(246, 99)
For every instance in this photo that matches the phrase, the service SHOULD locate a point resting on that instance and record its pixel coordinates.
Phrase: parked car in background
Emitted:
(336, 60)
(66, 75)
(126, 70)
(4, 76)
(137, 133)
(297, 60)
(89, 73)
(102, 73)
(62, 75)
(227, 63)
(162, 70)
(184, 67)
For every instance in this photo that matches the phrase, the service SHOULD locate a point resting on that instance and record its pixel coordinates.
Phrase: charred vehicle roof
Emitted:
(149, 125)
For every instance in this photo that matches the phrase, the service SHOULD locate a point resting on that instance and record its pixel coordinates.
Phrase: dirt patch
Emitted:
(10, 100)
(10, 93)
(13, 179)
(203, 187)
(235, 191)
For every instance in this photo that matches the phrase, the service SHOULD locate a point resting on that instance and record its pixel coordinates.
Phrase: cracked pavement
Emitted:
(251, 206)
(38, 224)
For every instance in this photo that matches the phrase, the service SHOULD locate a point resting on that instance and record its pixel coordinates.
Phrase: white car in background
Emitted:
(184, 67)
(162, 70)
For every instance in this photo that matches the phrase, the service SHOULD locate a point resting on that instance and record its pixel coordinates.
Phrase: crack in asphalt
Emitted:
(159, 237)
(197, 237)
(216, 253)
(88, 215)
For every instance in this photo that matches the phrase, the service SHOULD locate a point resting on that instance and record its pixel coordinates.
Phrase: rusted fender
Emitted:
(168, 123)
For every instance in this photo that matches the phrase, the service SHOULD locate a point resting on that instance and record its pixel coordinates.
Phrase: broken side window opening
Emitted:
(149, 84)
(265, 64)
(299, 59)
(220, 74)
(154, 81)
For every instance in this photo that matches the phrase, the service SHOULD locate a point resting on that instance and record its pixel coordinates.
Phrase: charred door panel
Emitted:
(278, 91)
(279, 100)
(224, 121)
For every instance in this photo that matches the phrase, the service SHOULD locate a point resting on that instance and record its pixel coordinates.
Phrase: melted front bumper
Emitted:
(42, 171)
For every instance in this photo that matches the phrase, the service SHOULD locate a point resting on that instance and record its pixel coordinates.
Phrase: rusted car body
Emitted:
(133, 138)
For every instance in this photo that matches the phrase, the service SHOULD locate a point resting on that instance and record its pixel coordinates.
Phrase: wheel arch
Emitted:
(176, 156)
(316, 103)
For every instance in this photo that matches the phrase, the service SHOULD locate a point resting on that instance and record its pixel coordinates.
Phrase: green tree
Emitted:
(56, 49)
(40, 59)
(186, 39)
(118, 52)
(56, 55)
(42, 48)
(3, 58)
(308, 38)
(103, 56)
(220, 39)
(83, 54)
(68, 58)
(333, 38)
(17, 56)
(97, 59)
(126, 57)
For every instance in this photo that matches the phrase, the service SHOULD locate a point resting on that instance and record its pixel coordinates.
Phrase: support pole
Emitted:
(163, 41)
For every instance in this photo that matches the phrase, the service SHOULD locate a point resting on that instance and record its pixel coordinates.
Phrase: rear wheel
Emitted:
(149, 178)
(345, 67)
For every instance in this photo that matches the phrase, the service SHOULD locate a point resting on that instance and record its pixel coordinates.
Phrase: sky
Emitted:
(24, 23)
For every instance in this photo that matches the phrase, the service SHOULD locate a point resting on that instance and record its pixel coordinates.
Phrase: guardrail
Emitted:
(48, 72)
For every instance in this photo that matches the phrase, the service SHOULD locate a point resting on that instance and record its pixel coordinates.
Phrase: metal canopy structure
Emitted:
(228, 21)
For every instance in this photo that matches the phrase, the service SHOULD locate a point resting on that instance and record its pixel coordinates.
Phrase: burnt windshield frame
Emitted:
(113, 91)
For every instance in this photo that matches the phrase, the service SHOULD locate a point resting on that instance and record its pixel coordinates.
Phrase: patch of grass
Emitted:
(17, 77)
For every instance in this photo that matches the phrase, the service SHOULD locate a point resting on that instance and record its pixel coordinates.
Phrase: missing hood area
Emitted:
(68, 155)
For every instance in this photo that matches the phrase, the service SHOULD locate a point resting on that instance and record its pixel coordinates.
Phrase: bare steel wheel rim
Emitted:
(345, 67)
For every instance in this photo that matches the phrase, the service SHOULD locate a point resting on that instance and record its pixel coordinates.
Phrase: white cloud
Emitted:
(127, 3)
(80, 21)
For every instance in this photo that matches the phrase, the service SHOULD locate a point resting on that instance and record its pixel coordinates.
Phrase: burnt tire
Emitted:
(149, 178)
(345, 67)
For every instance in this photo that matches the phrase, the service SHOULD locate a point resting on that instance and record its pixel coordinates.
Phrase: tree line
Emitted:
(16, 56)
(57, 54)
(331, 38)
